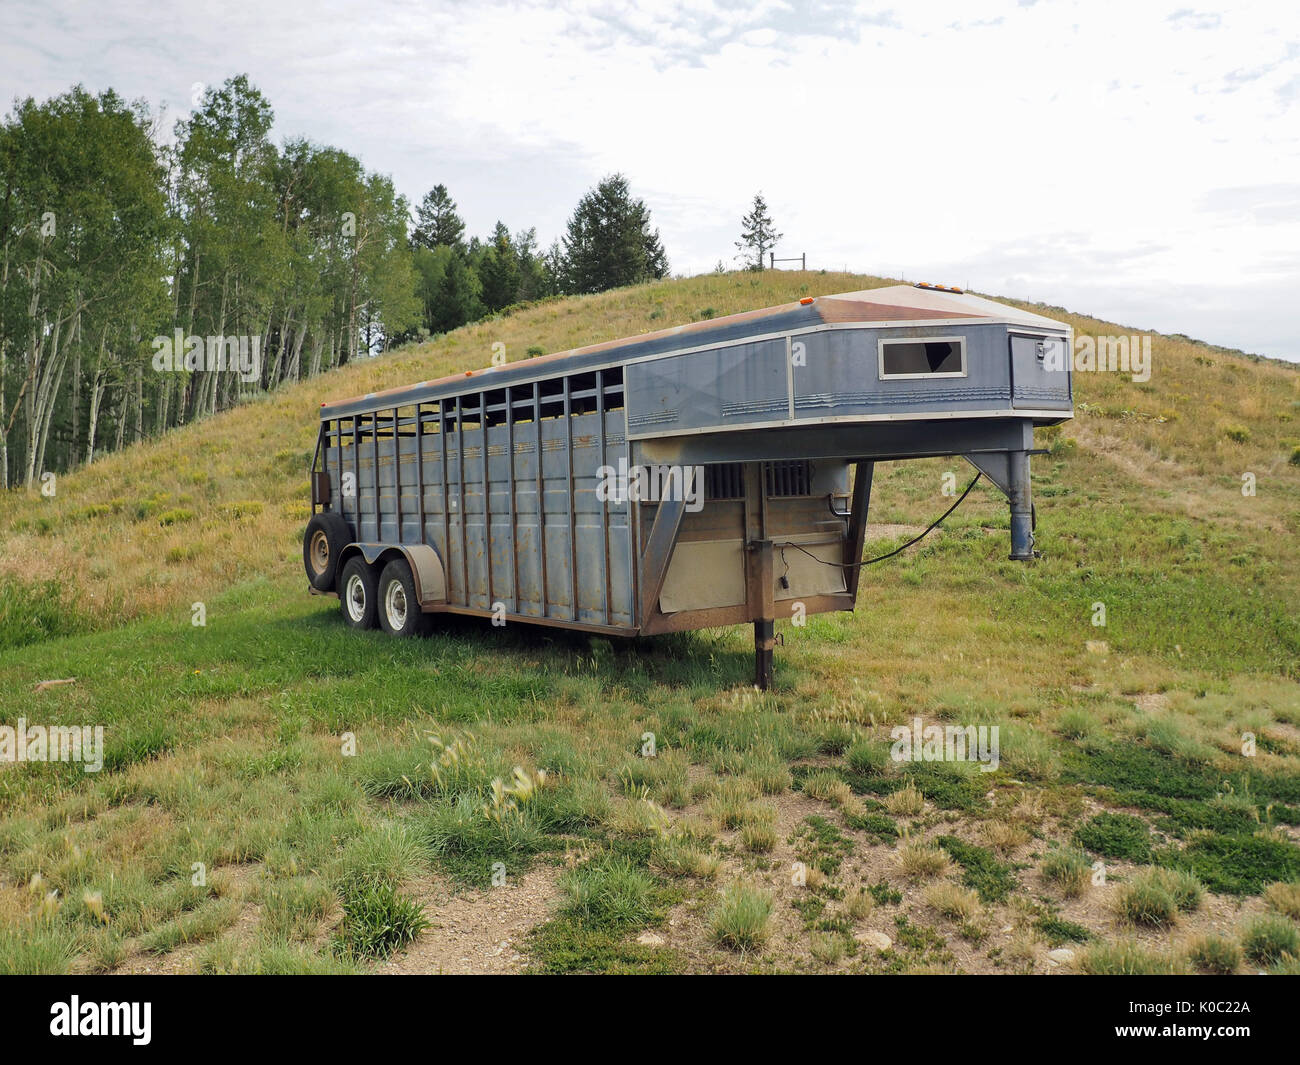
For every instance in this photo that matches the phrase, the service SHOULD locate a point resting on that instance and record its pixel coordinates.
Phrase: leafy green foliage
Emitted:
(981, 869)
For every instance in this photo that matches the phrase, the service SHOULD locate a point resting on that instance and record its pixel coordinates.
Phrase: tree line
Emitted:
(147, 281)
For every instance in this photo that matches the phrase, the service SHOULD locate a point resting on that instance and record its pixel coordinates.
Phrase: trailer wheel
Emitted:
(357, 593)
(399, 609)
(326, 536)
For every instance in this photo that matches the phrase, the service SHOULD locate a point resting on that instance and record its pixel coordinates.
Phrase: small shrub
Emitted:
(1057, 930)
(609, 893)
(1069, 870)
(953, 901)
(905, 802)
(758, 839)
(377, 921)
(825, 786)
(1266, 939)
(981, 869)
(741, 916)
(884, 895)
(920, 861)
(1284, 898)
(1145, 902)
(1238, 434)
(1214, 954)
(1126, 958)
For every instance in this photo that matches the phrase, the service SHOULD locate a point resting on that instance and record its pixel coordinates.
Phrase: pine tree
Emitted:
(499, 270)
(758, 235)
(610, 241)
(437, 222)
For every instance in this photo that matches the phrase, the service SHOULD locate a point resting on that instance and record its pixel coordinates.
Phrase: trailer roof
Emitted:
(902, 305)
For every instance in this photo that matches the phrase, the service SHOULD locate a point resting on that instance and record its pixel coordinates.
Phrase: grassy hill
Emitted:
(234, 829)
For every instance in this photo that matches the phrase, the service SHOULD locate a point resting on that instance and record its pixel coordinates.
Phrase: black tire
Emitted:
(399, 609)
(326, 536)
(358, 594)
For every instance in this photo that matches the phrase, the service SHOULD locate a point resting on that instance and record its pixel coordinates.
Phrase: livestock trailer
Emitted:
(712, 474)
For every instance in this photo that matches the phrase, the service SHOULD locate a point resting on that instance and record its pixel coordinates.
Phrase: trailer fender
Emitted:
(426, 568)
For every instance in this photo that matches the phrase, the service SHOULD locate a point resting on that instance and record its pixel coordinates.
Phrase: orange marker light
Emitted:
(806, 300)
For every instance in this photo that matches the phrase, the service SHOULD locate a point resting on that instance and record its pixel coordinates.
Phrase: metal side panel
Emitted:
(740, 385)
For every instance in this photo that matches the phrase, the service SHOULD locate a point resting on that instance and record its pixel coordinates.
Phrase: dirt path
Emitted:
(478, 931)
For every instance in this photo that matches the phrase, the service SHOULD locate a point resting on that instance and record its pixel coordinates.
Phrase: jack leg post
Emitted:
(764, 611)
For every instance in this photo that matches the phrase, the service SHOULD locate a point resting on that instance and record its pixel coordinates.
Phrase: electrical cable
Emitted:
(881, 558)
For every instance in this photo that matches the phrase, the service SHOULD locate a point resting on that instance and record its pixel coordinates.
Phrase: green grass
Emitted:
(36, 951)
(992, 878)
(377, 921)
(1266, 940)
(1116, 836)
(1068, 869)
(1126, 958)
(609, 893)
(740, 919)
(32, 611)
(1058, 931)
(1215, 955)
(1235, 865)
(817, 842)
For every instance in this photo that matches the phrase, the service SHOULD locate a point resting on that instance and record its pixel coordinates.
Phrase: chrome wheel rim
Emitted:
(355, 593)
(395, 604)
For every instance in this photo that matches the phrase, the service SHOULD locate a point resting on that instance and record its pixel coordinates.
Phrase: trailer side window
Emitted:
(923, 357)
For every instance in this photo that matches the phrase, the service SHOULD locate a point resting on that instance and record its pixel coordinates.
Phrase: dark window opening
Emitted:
(902, 358)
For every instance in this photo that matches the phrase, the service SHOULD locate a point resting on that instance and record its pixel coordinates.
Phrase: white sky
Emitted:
(1139, 160)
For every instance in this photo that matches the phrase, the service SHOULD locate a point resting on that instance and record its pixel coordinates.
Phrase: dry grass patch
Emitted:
(920, 861)
(907, 801)
(1004, 836)
(953, 901)
(1284, 899)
